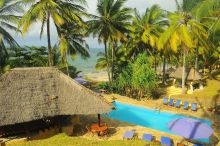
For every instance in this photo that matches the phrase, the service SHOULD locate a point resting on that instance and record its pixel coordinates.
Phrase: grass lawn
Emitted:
(64, 140)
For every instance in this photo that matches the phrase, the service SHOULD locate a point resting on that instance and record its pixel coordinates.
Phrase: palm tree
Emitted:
(7, 24)
(110, 25)
(72, 43)
(181, 33)
(147, 28)
(60, 11)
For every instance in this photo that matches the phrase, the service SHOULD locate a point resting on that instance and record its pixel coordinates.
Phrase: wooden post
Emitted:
(99, 120)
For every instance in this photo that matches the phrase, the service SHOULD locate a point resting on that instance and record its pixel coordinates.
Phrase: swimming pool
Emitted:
(147, 117)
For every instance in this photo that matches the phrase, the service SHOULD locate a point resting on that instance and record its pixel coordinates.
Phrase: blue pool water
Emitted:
(147, 117)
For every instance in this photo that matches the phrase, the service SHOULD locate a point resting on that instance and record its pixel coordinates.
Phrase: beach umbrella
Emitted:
(190, 128)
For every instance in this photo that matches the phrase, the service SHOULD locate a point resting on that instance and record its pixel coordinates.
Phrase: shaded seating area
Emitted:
(192, 77)
(43, 97)
(99, 129)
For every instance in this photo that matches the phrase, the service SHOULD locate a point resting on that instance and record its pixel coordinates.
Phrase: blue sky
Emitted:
(32, 37)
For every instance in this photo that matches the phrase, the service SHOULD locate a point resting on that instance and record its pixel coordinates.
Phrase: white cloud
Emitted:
(141, 5)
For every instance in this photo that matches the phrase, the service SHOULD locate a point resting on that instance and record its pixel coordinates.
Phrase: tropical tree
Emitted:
(60, 11)
(110, 25)
(8, 23)
(123, 56)
(147, 28)
(72, 42)
(181, 34)
(38, 57)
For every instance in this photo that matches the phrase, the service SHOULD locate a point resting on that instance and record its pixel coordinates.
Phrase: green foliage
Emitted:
(110, 26)
(28, 57)
(64, 140)
(8, 21)
(37, 57)
(137, 79)
(62, 12)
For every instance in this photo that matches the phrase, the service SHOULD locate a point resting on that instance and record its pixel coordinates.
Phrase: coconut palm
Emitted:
(72, 43)
(60, 11)
(8, 23)
(181, 34)
(110, 25)
(147, 28)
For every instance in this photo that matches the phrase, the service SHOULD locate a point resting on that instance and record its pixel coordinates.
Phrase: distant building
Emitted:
(192, 76)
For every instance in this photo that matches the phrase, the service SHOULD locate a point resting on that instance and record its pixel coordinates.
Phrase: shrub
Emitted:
(137, 79)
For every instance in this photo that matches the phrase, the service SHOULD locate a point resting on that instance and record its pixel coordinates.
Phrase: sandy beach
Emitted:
(96, 76)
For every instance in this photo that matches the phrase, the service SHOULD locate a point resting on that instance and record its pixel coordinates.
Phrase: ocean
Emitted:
(88, 65)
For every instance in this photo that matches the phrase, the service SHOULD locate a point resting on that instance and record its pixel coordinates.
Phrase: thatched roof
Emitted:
(178, 73)
(28, 94)
(171, 70)
(191, 74)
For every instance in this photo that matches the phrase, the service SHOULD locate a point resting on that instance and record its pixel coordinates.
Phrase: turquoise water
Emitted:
(88, 65)
(147, 117)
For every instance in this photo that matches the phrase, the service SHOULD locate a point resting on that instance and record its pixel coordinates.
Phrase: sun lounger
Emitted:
(194, 107)
(166, 141)
(147, 137)
(165, 100)
(128, 135)
(177, 104)
(195, 144)
(171, 102)
(186, 105)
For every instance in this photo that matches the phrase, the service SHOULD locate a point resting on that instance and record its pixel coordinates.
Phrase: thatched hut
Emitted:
(31, 94)
(192, 77)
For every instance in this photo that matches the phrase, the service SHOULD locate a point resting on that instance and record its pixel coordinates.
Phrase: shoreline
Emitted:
(96, 76)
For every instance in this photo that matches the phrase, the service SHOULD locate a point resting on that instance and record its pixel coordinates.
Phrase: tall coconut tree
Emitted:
(181, 34)
(147, 28)
(72, 43)
(110, 24)
(8, 22)
(59, 11)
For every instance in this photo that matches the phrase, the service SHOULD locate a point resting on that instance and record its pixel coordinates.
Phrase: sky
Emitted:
(32, 37)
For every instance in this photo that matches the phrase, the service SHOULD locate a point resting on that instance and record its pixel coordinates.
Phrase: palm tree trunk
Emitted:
(107, 62)
(113, 63)
(184, 71)
(67, 68)
(50, 56)
(164, 69)
(155, 62)
(196, 61)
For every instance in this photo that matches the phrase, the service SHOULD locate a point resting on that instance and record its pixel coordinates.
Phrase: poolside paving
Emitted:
(202, 111)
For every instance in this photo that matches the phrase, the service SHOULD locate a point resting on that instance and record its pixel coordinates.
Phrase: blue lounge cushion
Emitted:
(128, 134)
(177, 104)
(166, 141)
(195, 144)
(171, 102)
(194, 107)
(147, 137)
(186, 105)
(165, 100)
